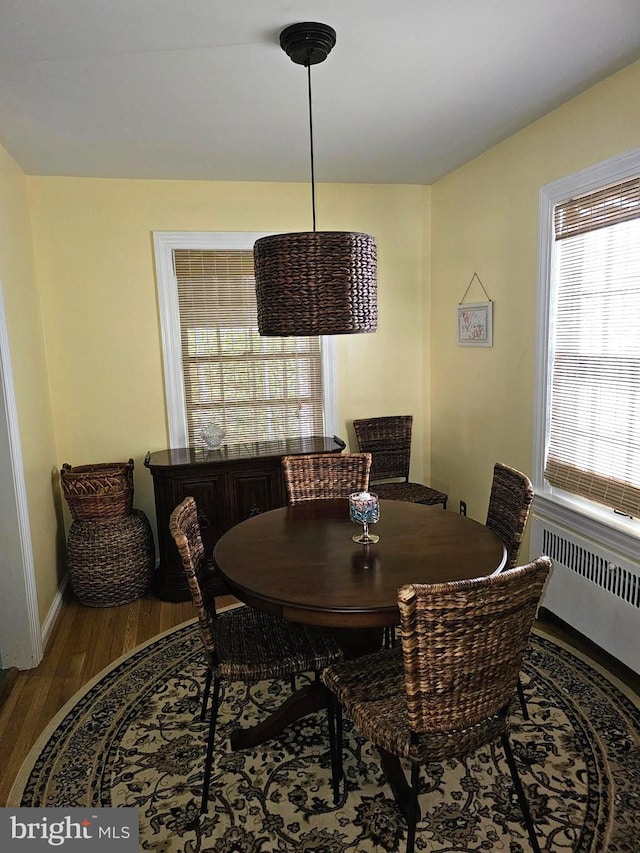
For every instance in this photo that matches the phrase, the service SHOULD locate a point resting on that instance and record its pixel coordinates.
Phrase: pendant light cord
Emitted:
(313, 180)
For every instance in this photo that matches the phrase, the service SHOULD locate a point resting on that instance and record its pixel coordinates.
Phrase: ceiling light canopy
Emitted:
(315, 282)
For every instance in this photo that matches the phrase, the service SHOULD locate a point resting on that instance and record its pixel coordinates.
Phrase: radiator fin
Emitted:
(594, 567)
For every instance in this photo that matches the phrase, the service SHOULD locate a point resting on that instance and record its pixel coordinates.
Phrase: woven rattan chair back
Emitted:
(388, 440)
(509, 507)
(319, 476)
(463, 644)
(185, 529)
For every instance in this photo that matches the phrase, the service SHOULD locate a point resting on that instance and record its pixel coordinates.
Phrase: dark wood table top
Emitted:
(301, 563)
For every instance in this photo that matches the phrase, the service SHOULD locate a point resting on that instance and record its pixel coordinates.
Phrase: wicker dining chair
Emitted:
(509, 506)
(388, 440)
(241, 644)
(318, 476)
(446, 692)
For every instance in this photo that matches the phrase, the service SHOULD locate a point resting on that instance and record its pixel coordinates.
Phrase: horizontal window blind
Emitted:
(256, 388)
(594, 440)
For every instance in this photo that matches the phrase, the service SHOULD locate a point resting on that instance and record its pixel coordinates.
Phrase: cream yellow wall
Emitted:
(95, 266)
(388, 373)
(485, 221)
(29, 370)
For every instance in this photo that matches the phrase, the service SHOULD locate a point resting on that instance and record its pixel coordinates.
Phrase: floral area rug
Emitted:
(133, 737)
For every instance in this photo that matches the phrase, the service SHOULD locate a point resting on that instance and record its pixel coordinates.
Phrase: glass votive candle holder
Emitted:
(364, 509)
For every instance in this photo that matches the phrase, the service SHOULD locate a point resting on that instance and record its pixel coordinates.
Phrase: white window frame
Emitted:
(165, 242)
(590, 519)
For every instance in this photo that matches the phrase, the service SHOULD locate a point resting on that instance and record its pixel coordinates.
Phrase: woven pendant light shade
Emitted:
(316, 283)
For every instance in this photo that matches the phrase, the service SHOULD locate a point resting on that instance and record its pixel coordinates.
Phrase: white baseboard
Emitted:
(54, 611)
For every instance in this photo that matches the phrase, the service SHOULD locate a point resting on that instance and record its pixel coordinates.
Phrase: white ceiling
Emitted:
(200, 89)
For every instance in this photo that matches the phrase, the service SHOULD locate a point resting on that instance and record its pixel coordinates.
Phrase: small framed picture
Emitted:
(475, 324)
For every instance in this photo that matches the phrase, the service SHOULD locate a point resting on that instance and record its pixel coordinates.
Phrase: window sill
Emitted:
(596, 522)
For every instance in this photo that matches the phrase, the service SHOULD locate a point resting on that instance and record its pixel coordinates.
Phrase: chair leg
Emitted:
(339, 731)
(333, 747)
(523, 700)
(205, 695)
(390, 637)
(413, 807)
(517, 784)
(204, 805)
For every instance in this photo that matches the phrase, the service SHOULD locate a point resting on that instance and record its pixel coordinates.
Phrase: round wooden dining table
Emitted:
(300, 562)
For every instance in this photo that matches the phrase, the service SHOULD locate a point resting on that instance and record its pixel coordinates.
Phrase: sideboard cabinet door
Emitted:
(251, 492)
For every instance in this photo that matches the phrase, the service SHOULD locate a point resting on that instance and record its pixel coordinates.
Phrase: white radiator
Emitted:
(591, 588)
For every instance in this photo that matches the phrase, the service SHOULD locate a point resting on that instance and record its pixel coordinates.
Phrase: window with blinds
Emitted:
(594, 419)
(256, 388)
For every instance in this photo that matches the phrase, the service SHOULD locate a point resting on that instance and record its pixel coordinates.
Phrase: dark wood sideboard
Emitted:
(229, 485)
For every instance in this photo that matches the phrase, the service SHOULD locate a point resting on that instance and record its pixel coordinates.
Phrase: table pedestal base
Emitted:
(306, 700)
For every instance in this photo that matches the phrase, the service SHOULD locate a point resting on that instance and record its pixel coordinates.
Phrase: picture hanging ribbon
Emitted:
(475, 275)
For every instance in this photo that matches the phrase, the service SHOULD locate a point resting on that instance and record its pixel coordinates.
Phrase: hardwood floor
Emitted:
(86, 639)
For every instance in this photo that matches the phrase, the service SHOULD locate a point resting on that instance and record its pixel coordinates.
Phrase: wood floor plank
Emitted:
(130, 634)
(10, 727)
(70, 665)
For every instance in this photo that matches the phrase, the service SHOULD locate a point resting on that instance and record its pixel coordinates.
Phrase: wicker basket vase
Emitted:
(110, 548)
(98, 492)
(111, 563)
